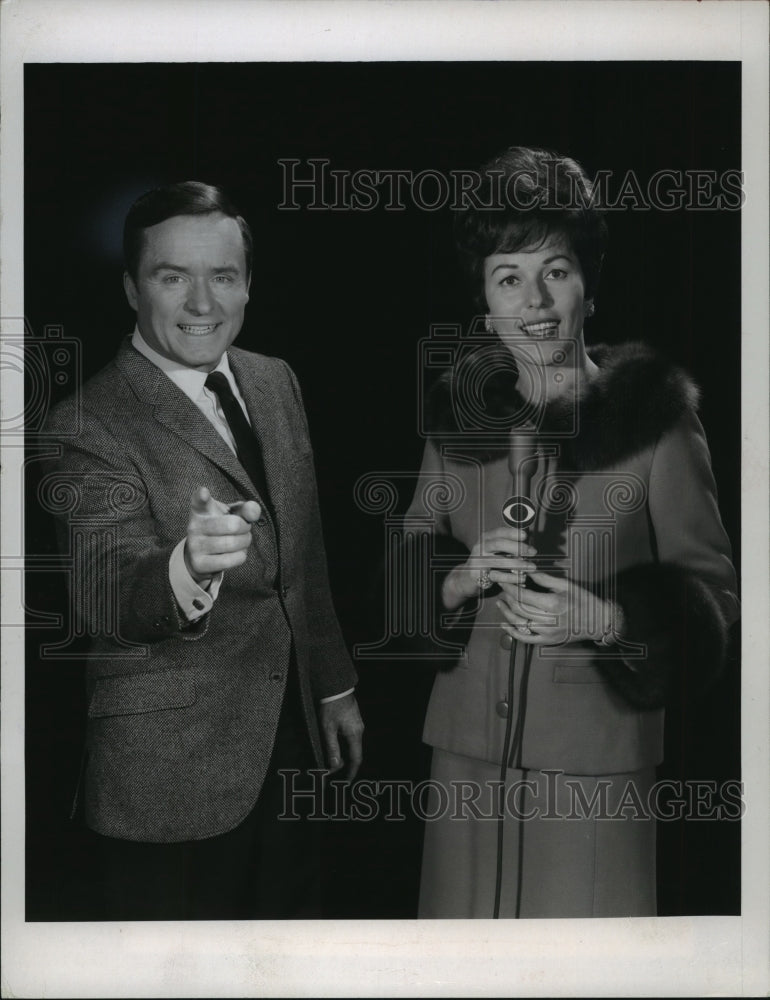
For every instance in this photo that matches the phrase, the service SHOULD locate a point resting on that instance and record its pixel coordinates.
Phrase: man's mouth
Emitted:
(197, 331)
(545, 328)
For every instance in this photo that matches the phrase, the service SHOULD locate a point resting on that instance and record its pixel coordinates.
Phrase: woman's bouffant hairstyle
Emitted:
(184, 198)
(526, 198)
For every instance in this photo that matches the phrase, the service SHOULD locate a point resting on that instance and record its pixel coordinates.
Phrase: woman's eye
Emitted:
(510, 279)
(557, 272)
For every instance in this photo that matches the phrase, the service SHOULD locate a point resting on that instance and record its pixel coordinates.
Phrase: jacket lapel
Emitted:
(259, 396)
(179, 414)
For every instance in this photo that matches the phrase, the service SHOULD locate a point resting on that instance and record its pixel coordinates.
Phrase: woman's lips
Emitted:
(543, 328)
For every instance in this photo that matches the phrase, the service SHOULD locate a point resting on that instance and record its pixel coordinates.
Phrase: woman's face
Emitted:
(536, 301)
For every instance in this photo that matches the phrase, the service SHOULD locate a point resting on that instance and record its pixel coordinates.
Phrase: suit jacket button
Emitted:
(157, 624)
(276, 676)
(506, 641)
(502, 709)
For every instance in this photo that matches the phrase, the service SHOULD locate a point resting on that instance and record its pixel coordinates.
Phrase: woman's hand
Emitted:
(566, 612)
(502, 550)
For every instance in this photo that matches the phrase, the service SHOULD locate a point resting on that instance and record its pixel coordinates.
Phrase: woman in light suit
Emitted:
(589, 571)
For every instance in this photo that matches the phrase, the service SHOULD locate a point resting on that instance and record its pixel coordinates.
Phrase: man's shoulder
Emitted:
(107, 391)
(263, 363)
(263, 370)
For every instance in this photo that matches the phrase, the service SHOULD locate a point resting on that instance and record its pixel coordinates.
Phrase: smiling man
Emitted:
(220, 662)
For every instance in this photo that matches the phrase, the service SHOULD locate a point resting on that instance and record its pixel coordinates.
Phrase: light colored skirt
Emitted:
(573, 845)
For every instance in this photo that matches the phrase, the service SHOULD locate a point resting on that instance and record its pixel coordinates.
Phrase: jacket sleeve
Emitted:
(119, 584)
(330, 666)
(680, 607)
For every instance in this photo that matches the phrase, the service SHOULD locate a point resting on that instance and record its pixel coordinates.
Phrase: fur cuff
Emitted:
(676, 616)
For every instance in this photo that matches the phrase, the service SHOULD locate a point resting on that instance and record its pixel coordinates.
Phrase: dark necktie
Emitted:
(246, 444)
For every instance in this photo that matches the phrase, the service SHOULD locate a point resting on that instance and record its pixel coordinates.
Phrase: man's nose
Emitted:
(199, 298)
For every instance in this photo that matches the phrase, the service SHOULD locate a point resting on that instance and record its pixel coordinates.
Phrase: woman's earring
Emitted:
(589, 308)
(488, 325)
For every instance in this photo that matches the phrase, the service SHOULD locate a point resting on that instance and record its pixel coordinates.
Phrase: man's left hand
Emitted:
(341, 723)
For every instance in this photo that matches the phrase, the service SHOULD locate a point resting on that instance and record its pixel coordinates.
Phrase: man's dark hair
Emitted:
(185, 198)
(527, 198)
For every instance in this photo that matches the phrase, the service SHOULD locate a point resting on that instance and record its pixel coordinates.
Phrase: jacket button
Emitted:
(502, 709)
(285, 589)
(506, 641)
(276, 676)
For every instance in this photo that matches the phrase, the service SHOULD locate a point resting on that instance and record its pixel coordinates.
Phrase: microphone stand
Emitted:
(518, 511)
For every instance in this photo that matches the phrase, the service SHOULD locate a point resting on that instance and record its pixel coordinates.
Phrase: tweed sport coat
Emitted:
(182, 718)
(628, 508)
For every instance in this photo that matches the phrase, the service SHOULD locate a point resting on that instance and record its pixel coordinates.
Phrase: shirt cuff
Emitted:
(195, 601)
(336, 697)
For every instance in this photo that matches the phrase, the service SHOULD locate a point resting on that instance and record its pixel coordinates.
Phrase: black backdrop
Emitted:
(345, 297)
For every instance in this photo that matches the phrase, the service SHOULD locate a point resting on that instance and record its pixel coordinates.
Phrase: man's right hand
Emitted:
(218, 534)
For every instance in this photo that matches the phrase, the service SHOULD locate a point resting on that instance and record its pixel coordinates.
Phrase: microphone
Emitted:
(519, 510)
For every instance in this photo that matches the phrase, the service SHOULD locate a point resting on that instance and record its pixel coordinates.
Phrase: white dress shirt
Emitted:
(194, 600)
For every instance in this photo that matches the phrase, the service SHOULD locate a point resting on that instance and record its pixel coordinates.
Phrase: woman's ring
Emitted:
(485, 580)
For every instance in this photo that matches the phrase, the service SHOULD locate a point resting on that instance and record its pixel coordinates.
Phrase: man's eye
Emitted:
(172, 279)
(223, 279)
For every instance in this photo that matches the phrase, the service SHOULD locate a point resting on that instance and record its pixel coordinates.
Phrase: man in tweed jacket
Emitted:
(216, 656)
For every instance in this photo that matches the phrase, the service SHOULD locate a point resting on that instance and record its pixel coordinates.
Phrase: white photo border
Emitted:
(717, 956)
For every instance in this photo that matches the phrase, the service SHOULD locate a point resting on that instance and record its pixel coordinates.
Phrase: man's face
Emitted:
(191, 288)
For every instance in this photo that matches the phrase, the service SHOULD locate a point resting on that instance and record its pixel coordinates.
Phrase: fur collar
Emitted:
(637, 396)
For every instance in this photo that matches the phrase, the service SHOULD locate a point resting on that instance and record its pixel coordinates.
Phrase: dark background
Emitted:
(345, 297)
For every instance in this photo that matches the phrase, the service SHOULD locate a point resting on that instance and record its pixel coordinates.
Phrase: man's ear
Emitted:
(248, 287)
(131, 292)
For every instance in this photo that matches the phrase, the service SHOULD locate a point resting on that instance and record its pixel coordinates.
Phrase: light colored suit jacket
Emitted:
(628, 507)
(182, 718)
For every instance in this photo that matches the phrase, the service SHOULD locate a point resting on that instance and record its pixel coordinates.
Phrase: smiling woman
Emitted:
(590, 575)
(535, 295)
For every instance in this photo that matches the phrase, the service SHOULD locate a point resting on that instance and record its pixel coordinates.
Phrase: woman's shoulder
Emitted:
(636, 395)
(646, 377)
